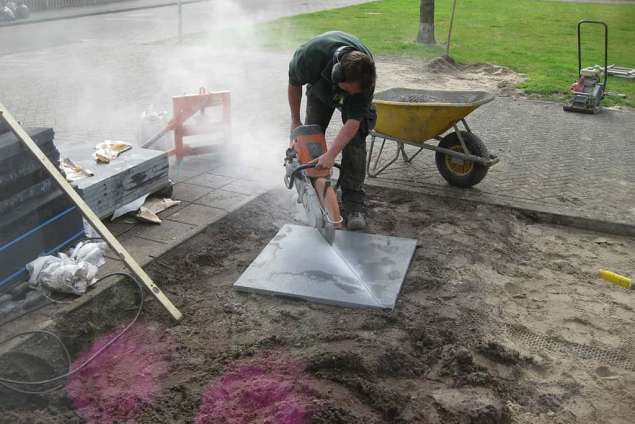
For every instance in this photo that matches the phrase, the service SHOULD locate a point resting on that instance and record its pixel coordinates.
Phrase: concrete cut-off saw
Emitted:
(313, 184)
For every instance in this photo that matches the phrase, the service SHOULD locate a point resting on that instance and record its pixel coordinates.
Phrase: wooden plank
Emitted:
(90, 215)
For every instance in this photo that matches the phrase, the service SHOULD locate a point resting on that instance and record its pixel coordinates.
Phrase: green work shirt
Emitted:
(312, 64)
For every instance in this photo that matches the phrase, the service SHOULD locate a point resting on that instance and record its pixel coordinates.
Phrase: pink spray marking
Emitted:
(127, 376)
(272, 389)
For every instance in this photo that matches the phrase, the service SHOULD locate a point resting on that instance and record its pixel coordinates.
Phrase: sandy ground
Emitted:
(501, 320)
(446, 74)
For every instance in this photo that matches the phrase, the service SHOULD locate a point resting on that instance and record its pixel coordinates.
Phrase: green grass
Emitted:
(533, 37)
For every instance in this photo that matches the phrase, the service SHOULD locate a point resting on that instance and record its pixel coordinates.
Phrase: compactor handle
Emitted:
(606, 46)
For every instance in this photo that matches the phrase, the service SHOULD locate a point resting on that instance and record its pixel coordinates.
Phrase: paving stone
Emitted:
(141, 249)
(249, 187)
(118, 227)
(111, 266)
(18, 291)
(174, 209)
(198, 215)
(236, 171)
(210, 180)
(33, 298)
(167, 232)
(226, 200)
(189, 192)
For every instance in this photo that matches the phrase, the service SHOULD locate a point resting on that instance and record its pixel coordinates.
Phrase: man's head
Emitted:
(357, 71)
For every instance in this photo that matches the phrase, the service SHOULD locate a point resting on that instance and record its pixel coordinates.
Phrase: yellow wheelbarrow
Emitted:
(416, 117)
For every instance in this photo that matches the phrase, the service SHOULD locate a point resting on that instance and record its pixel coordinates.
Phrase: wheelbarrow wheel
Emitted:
(459, 172)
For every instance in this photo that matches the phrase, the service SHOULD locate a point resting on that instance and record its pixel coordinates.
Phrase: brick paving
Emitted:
(577, 165)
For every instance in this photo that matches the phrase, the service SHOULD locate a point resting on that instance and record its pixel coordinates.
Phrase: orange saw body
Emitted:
(313, 185)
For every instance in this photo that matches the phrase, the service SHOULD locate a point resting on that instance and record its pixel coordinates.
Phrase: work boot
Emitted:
(356, 221)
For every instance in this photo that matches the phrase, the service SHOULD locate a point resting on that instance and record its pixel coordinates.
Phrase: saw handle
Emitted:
(288, 181)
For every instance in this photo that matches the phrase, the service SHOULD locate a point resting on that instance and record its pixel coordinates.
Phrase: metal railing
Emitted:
(59, 4)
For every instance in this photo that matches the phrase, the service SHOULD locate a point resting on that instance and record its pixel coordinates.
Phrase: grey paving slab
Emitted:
(131, 175)
(118, 227)
(226, 200)
(189, 192)
(235, 172)
(249, 187)
(174, 209)
(112, 265)
(358, 270)
(198, 215)
(170, 232)
(210, 180)
(141, 249)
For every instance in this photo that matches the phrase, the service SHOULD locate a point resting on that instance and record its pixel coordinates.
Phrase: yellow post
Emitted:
(616, 279)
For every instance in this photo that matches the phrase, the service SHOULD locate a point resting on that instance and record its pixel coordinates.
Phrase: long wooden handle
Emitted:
(89, 214)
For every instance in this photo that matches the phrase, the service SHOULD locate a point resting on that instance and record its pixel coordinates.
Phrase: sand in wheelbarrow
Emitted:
(411, 95)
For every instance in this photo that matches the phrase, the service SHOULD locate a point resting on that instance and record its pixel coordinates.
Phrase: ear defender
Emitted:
(337, 73)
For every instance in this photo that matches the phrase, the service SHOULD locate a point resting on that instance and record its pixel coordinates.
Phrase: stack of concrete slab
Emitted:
(36, 217)
(133, 174)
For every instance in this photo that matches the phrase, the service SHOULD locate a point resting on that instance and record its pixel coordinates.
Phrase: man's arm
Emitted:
(345, 135)
(294, 94)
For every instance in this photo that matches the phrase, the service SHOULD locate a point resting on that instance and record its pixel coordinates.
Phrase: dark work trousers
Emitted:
(353, 172)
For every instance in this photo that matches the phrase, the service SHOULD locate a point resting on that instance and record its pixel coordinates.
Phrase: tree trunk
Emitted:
(426, 22)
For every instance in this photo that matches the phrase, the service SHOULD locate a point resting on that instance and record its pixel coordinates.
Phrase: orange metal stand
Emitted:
(184, 108)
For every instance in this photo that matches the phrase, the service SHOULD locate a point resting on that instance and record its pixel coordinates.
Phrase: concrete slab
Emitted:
(111, 265)
(174, 209)
(166, 232)
(226, 200)
(240, 172)
(141, 249)
(210, 180)
(118, 227)
(129, 176)
(189, 192)
(249, 187)
(358, 270)
(198, 215)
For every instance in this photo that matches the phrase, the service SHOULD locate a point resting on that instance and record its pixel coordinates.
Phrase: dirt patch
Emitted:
(125, 378)
(272, 387)
(491, 326)
(442, 73)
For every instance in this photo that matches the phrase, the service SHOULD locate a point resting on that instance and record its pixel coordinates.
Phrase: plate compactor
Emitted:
(314, 187)
(589, 89)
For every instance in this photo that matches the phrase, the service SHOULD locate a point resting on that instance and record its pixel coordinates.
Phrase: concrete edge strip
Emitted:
(540, 213)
